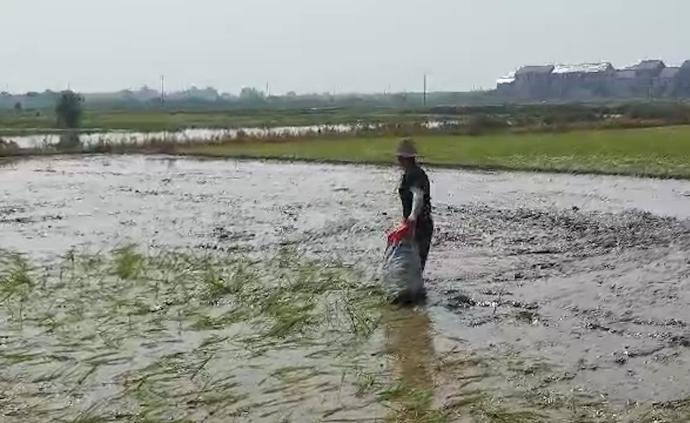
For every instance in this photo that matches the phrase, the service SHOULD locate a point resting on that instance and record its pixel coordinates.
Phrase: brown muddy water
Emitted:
(250, 294)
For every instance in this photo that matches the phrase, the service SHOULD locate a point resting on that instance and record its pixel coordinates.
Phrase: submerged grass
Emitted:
(15, 277)
(128, 262)
(662, 152)
(189, 337)
(163, 336)
(412, 405)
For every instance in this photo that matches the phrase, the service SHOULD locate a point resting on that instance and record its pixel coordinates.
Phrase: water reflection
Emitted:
(7, 162)
(119, 137)
(171, 164)
(409, 342)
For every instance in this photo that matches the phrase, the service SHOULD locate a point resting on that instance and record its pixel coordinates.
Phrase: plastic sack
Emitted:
(402, 270)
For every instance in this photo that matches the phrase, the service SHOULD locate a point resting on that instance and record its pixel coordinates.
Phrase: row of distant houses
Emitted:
(649, 78)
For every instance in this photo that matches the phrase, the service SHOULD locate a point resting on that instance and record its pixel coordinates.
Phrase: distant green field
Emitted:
(663, 152)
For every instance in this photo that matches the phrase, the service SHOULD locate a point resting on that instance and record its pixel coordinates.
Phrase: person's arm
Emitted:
(417, 203)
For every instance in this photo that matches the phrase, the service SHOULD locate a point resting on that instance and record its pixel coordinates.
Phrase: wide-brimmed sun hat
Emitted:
(406, 148)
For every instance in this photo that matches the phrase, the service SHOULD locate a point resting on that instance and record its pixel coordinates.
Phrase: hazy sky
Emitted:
(322, 45)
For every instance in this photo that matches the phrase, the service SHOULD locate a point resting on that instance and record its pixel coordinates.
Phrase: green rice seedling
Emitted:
(15, 277)
(411, 404)
(128, 263)
(366, 383)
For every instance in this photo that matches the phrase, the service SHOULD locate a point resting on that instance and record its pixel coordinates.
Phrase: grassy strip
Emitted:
(158, 120)
(634, 112)
(658, 152)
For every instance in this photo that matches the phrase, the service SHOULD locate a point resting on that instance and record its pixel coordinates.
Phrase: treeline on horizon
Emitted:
(210, 99)
(452, 103)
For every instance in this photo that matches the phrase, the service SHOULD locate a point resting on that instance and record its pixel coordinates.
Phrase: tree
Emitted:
(69, 110)
(18, 107)
(251, 94)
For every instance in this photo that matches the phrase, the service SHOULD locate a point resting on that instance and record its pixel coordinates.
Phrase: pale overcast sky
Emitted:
(322, 45)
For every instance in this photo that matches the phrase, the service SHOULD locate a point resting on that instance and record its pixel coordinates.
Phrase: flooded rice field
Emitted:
(117, 137)
(182, 136)
(157, 289)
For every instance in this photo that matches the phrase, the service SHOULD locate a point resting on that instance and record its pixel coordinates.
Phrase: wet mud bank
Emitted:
(602, 295)
(569, 293)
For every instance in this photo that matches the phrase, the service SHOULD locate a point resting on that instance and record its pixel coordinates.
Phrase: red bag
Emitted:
(402, 231)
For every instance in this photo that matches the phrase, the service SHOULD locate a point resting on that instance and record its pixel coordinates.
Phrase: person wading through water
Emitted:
(416, 198)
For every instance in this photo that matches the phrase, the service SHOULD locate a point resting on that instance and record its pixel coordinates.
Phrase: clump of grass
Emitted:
(365, 383)
(16, 284)
(206, 322)
(128, 262)
(219, 285)
(412, 404)
(15, 277)
(293, 296)
(490, 407)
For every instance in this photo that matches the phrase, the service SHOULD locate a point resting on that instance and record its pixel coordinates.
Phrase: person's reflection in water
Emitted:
(171, 163)
(410, 343)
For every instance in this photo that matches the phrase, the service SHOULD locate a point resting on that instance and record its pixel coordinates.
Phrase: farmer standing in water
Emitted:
(415, 197)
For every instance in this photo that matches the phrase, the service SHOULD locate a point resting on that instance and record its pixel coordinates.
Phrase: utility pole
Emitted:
(425, 86)
(162, 89)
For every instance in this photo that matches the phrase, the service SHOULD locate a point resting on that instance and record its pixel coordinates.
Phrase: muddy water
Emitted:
(585, 276)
